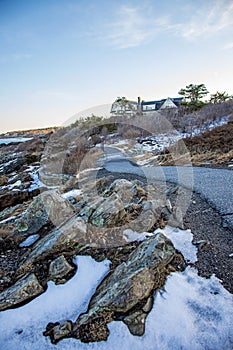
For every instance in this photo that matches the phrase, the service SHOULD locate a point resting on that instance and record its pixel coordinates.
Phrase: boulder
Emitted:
(22, 291)
(48, 207)
(126, 293)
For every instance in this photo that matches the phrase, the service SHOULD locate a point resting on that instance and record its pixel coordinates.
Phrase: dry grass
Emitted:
(212, 147)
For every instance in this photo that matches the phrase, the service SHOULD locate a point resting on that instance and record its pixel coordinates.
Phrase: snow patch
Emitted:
(132, 236)
(182, 240)
(72, 193)
(7, 141)
(15, 184)
(22, 328)
(29, 240)
(8, 219)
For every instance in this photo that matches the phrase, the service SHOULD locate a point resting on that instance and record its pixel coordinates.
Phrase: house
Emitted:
(132, 107)
(160, 104)
(124, 106)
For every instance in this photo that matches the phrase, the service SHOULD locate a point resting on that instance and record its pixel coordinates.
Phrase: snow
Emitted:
(72, 193)
(190, 312)
(12, 178)
(14, 139)
(29, 240)
(15, 184)
(131, 236)
(58, 303)
(36, 183)
(87, 170)
(8, 219)
(182, 240)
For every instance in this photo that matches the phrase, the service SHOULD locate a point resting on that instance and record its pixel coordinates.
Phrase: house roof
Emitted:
(175, 100)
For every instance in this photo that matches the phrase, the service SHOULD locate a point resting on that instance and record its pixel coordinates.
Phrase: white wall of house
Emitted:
(168, 104)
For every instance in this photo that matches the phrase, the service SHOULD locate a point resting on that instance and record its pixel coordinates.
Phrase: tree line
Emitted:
(193, 94)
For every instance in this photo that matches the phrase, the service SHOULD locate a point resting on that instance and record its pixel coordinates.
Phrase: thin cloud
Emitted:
(209, 19)
(130, 29)
(133, 26)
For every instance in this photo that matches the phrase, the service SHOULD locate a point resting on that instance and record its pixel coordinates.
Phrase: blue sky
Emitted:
(58, 57)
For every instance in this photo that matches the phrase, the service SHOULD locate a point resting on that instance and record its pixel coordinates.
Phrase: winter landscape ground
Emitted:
(99, 253)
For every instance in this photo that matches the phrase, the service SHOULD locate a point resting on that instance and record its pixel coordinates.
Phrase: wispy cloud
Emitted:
(133, 25)
(129, 29)
(211, 18)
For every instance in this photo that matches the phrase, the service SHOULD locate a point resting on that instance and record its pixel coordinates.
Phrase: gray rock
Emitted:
(109, 212)
(58, 269)
(60, 330)
(66, 236)
(126, 291)
(136, 322)
(23, 290)
(46, 207)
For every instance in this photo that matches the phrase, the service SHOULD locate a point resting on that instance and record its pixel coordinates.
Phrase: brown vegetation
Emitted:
(212, 147)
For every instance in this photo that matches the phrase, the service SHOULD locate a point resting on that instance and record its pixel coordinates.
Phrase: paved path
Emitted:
(214, 185)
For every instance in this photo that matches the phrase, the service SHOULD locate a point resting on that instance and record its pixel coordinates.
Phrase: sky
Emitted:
(59, 57)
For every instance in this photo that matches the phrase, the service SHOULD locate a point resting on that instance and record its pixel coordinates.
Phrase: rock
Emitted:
(126, 190)
(13, 198)
(126, 293)
(149, 216)
(23, 290)
(59, 269)
(148, 306)
(69, 235)
(136, 322)
(48, 207)
(3, 180)
(109, 212)
(60, 330)
(13, 165)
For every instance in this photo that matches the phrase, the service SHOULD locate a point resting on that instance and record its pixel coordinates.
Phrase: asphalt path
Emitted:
(213, 185)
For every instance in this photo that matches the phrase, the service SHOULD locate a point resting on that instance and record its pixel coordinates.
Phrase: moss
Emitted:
(39, 213)
(22, 226)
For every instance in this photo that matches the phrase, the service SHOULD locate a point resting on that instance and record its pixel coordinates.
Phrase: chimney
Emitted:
(139, 106)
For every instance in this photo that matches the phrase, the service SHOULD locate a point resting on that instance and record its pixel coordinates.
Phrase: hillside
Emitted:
(212, 148)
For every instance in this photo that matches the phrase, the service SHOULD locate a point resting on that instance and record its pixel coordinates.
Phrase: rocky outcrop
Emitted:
(126, 294)
(22, 291)
(70, 235)
(48, 207)
(59, 224)
(13, 198)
